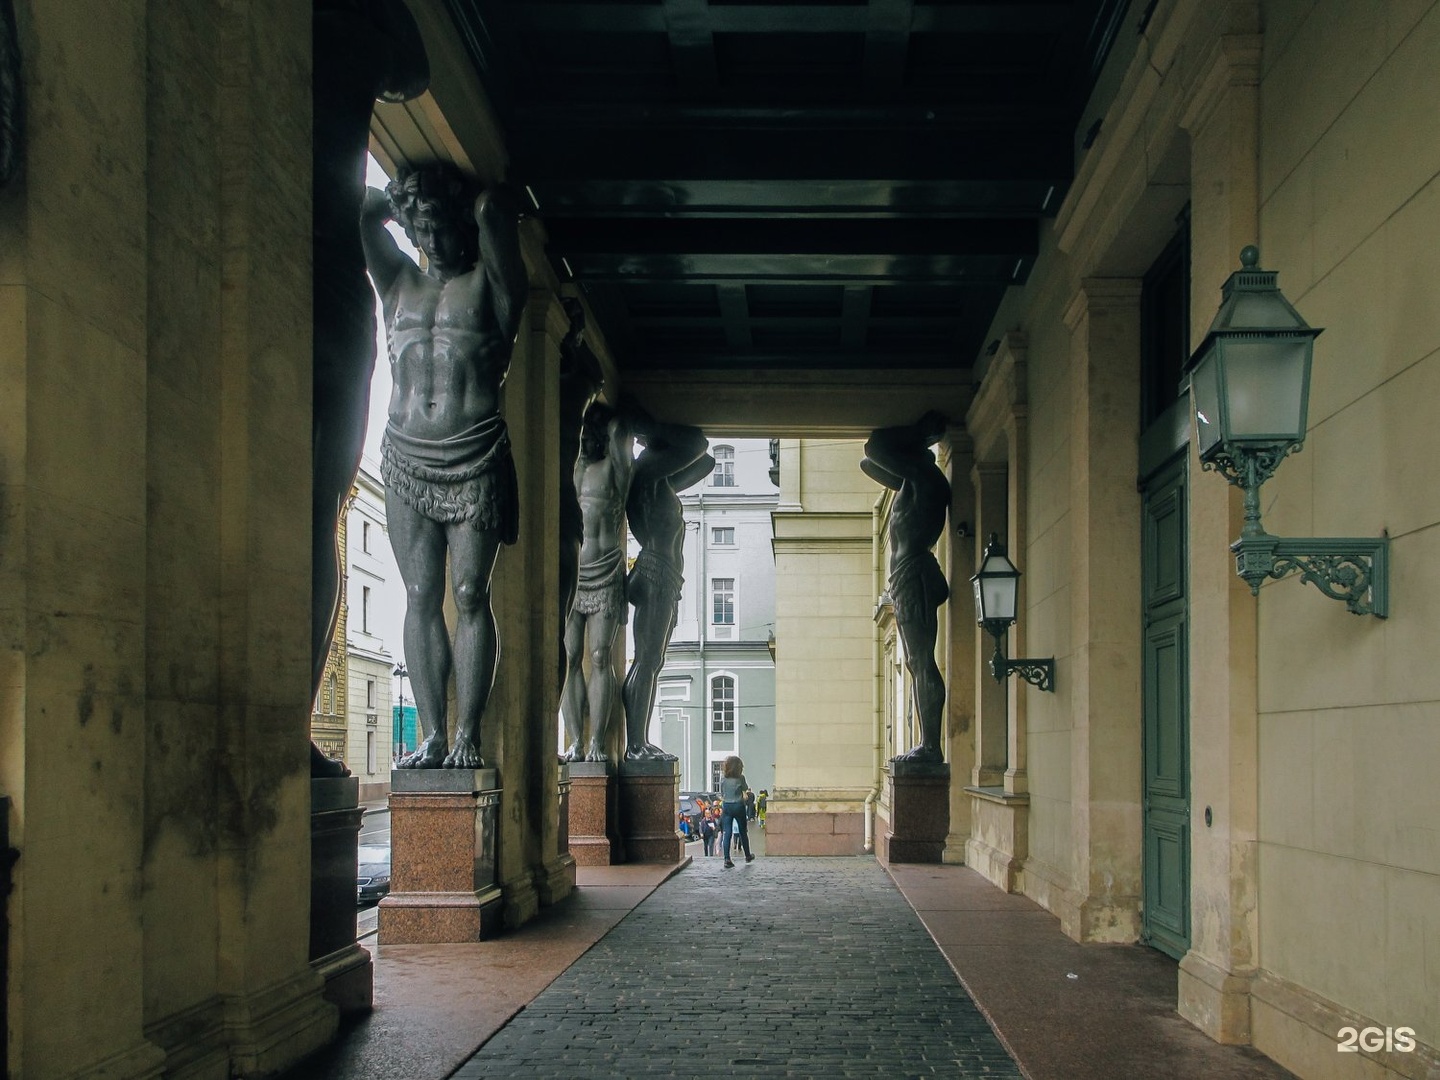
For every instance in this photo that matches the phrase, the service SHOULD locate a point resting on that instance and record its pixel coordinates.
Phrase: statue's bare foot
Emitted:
(922, 753)
(465, 755)
(320, 765)
(571, 753)
(646, 752)
(429, 755)
(596, 753)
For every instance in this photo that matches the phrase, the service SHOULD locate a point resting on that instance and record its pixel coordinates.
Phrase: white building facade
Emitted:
(374, 634)
(716, 692)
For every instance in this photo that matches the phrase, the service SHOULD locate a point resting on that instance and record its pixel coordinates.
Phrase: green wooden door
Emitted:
(1166, 805)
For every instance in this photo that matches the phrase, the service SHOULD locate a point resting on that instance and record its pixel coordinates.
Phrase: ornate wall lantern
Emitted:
(1249, 395)
(996, 585)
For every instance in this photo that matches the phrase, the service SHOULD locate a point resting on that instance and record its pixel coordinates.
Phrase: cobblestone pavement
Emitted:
(778, 968)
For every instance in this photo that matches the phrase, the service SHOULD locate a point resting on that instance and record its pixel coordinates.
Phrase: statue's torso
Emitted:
(448, 354)
(602, 508)
(918, 517)
(655, 515)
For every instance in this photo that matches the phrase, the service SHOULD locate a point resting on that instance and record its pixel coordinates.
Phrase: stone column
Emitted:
(520, 727)
(73, 514)
(999, 839)
(154, 577)
(1103, 673)
(991, 480)
(956, 458)
(1222, 119)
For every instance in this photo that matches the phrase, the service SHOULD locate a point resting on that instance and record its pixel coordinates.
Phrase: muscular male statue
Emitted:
(673, 458)
(900, 458)
(363, 50)
(450, 483)
(602, 477)
(580, 383)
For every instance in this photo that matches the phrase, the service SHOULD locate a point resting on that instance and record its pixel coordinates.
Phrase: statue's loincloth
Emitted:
(468, 477)
(917, 586)
(602, 585)
(654, 579)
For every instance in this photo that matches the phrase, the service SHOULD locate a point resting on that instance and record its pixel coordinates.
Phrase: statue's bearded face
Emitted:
(448, 246)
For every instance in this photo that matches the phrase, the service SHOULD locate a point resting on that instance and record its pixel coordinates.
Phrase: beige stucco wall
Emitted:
(1315, 896)
(1349, 875)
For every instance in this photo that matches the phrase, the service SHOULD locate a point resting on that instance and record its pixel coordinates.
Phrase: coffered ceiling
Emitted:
(742, 186)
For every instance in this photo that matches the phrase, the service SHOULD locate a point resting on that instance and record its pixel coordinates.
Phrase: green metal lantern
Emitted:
(1250, 378)
(1249, 384)
(997, 584)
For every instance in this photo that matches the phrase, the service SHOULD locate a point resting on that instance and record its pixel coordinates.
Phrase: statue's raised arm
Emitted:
(497, 214)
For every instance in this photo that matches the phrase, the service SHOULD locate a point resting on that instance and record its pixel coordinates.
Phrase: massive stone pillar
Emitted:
(521, 735)
(999, 841)
(1103, 683)
(1222, 119)
(154, 571)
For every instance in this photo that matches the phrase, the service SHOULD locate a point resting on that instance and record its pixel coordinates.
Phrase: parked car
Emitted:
(373, 878)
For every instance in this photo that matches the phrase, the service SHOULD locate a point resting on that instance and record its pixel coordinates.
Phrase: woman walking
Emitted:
(732, 806)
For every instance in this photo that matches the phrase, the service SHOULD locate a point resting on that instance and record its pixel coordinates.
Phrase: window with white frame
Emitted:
(369, 693)
(364, 536)
(723, 609)
(723, 536)
(717, 771)
(364, 609)
(722, 704)
(724, 474)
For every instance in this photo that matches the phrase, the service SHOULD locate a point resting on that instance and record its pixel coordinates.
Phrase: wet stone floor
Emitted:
(777, 968)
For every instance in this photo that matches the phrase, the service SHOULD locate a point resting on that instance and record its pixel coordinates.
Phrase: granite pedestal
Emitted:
(649, 811)
(345, 966)
(444, 828)
(919, 812)
(594, 814)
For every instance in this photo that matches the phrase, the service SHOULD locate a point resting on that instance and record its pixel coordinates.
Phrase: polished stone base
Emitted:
(649, 811)
(334, 834)
(443, 832)
(919, 813)
(594, 814)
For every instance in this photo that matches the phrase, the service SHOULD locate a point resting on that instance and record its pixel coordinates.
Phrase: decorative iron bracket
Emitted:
(1353, 569)
(1038, 673)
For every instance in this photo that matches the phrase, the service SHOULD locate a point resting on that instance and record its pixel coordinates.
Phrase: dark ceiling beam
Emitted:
(692, 47)
(670, 155)
(887, 42)
(797, 198)
(771, 236)
(994, 272)
(668, 360)
(768, 18)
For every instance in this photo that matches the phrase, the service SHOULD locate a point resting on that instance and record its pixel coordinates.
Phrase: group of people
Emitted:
(727, 814)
